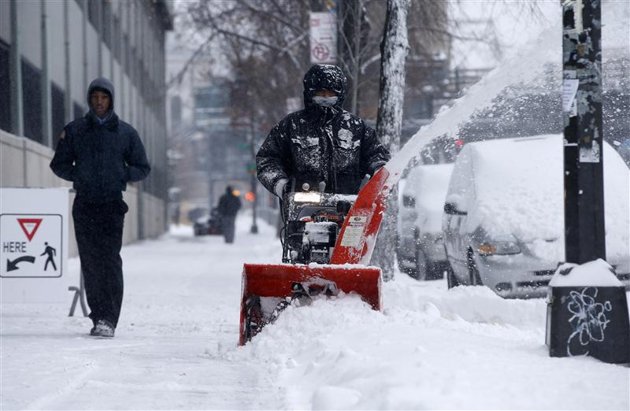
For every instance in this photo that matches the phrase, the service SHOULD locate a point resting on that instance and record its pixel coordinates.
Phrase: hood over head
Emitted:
(101, 84)
(229, 190)
(324, 76)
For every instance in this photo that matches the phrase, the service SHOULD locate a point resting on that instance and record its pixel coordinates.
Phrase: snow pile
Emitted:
(596, 273)
(429, 349)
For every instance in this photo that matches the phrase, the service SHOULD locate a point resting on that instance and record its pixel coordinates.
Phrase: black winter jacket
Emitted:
(100, 158)
(229, 205)
(321, 144)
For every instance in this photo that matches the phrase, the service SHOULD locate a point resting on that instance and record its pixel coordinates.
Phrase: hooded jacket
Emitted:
(229, 204)
(100, 156)
(319, 143)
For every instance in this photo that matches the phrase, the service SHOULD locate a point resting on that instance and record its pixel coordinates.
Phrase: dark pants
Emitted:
(98, 229)
(227, 224)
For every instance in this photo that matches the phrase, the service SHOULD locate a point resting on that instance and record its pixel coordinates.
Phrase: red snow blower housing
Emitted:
(327, 243)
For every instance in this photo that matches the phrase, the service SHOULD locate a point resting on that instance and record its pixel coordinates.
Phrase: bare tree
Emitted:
(265, 45)
(394, 48)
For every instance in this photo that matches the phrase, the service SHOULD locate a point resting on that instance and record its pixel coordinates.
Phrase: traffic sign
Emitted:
(34, 245)
(323, 37)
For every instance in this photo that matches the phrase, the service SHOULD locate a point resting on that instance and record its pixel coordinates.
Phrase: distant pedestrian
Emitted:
(229, 204)
(100, 154)
(51, 253)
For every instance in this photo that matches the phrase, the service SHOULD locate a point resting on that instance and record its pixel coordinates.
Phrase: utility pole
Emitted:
(593, 302)
(253, 180)
(583, 143)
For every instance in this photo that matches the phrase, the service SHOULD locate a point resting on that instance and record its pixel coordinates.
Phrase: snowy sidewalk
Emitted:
(175, 347)
(180, 313)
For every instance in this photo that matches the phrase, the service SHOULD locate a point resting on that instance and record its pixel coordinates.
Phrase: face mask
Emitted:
(325, 101)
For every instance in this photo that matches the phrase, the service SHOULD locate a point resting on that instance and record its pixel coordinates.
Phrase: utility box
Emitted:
(589, 319)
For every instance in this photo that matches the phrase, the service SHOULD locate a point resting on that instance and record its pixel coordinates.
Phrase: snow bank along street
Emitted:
(175, 347)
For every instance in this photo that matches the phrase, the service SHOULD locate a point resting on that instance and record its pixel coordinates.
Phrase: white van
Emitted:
(504, 215)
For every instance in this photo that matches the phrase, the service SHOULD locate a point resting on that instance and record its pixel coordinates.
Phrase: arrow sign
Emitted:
(12, 265)
(29, 226)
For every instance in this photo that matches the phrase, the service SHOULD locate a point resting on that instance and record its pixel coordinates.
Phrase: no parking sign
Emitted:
(33, 244)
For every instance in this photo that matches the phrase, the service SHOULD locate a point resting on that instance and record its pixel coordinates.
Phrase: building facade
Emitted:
(49, 53)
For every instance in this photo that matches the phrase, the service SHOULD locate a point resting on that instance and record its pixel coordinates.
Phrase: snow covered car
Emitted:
(504, 215)
(421, 251)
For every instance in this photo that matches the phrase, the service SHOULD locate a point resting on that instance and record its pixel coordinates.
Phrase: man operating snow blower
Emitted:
(317, 153)
(314, 160)
(321, 143)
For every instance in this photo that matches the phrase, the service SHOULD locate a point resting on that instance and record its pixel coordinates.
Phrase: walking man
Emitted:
(229, 204)
(51, 252)
(100, 154)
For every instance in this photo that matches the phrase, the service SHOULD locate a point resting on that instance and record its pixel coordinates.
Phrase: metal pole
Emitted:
(582, 117)
(254, 182)
(84, 23)
(584, 200)
(69, 116)
(45, 91)
(99, 36)
(17, 102)
(254, 229)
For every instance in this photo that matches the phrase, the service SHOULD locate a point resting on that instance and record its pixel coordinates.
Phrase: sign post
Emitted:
(33, 244)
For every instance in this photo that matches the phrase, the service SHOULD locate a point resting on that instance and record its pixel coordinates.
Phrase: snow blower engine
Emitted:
(312, 221)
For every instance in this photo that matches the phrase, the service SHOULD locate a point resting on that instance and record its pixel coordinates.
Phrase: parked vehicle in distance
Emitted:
(208, 224)
(420, 249)
(504, 215)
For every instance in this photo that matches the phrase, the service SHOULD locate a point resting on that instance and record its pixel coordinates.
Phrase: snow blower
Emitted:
(327, 243)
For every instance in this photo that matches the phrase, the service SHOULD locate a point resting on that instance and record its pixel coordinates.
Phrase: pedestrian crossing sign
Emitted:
(32, 245)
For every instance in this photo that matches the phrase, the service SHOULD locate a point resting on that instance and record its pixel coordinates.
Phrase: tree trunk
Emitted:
(394, 47)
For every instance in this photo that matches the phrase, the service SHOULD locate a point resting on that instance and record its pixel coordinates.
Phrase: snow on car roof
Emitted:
(519, 189)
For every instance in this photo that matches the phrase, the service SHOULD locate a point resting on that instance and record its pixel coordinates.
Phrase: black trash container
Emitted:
(588, 320)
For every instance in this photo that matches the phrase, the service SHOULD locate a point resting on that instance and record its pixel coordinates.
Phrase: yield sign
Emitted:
(29, 226)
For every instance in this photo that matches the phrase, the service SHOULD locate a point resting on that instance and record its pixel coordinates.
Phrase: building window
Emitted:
(116, 40)
(93, 14)
(5, 88)
(107, 24)
(58, 109)
(125, 54)
(32, 97)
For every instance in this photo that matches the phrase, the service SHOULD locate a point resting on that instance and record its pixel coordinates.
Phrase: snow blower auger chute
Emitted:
(338, 234)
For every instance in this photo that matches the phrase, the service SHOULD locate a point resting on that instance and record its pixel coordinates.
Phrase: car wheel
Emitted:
(473, 271)
(437, 269)
(422, 265)
(451, 280)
